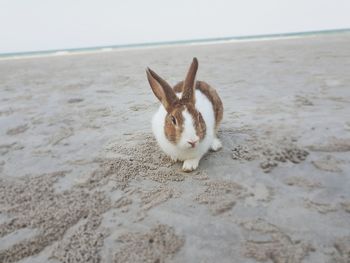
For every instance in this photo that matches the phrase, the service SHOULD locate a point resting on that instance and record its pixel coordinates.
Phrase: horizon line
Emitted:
(174, 42)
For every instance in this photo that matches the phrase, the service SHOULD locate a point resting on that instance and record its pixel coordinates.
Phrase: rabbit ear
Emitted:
(190, 81)
(161, 89)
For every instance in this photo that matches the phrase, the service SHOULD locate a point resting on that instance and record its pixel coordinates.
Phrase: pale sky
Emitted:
(34, 25)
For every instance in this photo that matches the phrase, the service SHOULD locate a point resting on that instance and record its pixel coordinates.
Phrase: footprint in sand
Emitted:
(302, 101)
(346, 206)
(302, 182)
(323, 208)
(6, 148)
(269, 152)
(18, 129)
(271, 244)
(123, 204)
(342, 250)
(63, 133)
(86, 241)
(333, 145)
(156, 196)
(328, 164)
(157, 245)
(75, 100)
(221, 196)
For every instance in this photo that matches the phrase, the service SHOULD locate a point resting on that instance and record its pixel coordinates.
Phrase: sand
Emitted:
(83, 180)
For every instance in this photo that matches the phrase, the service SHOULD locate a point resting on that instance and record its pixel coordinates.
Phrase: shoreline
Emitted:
(167, 44)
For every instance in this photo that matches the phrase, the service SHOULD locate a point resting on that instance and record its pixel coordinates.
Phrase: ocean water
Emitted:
(166, 43)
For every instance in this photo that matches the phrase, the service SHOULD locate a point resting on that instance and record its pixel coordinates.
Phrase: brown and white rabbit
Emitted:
(188, 119)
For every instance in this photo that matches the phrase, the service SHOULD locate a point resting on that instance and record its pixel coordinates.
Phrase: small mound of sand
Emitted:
(62, 134)
(269, 152)
(120, 170)
(271, 244)
(6, 112)
(342, 246)
(123, 203)
(302, 101)
(346, 206)
(83, 245)
(31, 202)
(6, 148)
(143, 159)
(242, 152)
(221, 196)
(17, 130)
(159, 244)
(272, 156)
(302, 182)
(333, 145)
(157, 196)
(328, 164)
(259, 193)
(322, 208)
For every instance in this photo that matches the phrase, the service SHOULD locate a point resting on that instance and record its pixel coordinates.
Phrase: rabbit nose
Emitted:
(192, 143)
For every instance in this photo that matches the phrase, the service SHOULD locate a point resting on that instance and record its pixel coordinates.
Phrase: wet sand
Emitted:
(82, 179)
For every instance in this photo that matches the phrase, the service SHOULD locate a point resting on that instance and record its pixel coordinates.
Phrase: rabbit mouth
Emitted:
(192, 144)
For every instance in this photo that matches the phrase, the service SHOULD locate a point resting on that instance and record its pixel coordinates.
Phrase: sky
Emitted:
(37, 25)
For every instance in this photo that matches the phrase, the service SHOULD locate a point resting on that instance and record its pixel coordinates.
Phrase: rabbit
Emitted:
(187, 121)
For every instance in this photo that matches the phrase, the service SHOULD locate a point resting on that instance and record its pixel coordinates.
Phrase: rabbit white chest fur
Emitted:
(175, 151)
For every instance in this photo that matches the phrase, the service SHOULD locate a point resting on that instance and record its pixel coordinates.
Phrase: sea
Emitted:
(204, 41)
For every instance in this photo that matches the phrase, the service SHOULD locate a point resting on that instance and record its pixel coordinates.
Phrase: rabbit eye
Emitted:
(173, 120)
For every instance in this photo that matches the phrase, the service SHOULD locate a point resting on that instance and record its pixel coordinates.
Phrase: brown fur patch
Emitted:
(211, 94)
(189, 83)
(178, 88)
(162, 90)
(173, 132)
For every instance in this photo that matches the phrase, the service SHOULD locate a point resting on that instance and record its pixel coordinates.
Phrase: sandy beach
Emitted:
(83, 180)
